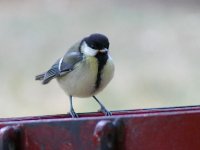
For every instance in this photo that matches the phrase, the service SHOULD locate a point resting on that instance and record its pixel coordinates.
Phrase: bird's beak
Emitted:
(103, 50)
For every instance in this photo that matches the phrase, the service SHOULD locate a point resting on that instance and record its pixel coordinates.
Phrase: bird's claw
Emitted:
(73, 113)
(105, 111)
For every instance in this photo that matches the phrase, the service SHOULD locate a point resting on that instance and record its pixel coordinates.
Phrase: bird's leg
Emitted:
(103, 109)
(72, 112)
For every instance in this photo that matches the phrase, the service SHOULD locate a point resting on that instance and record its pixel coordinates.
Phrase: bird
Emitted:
(84, 70)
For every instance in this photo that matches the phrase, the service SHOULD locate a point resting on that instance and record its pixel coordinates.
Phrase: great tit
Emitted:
(84, 70)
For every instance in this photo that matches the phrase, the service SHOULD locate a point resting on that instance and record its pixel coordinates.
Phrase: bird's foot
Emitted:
(73, 113)
(105, 111)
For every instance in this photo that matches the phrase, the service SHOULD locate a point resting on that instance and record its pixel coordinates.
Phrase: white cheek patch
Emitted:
(87, 50)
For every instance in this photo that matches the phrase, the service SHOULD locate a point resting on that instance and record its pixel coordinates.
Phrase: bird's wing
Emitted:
(62, 66)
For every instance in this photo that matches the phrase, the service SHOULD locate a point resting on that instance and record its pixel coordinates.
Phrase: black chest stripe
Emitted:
(102, 60)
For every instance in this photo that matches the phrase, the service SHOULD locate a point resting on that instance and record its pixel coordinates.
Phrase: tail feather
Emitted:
(47, 80)
(44, 78)
(40, 77)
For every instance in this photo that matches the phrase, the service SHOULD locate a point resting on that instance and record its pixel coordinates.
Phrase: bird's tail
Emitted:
(40, 77)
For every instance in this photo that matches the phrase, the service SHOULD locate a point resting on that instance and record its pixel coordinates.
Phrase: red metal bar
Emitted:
(151, 129)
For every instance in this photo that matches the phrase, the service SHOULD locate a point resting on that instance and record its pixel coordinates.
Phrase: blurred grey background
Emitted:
(155, 45)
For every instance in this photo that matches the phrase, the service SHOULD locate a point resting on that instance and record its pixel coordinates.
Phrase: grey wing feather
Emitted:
(61, 67)
(51, 73)
(71, 57)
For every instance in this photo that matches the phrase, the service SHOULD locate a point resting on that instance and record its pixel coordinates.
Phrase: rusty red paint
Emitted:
(152, 129)
(102, 127)
(10, 137)
(108, 135)
(104, 135)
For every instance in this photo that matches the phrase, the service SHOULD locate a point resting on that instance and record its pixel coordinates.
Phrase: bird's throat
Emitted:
(102, 60)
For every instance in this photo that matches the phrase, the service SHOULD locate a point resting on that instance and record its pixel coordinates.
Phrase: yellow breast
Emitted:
(81, 81)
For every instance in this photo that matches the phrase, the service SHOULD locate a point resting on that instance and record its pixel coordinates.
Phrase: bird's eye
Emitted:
(92, 46)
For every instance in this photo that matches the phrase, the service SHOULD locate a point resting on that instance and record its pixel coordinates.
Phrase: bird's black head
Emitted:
(97, 41)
